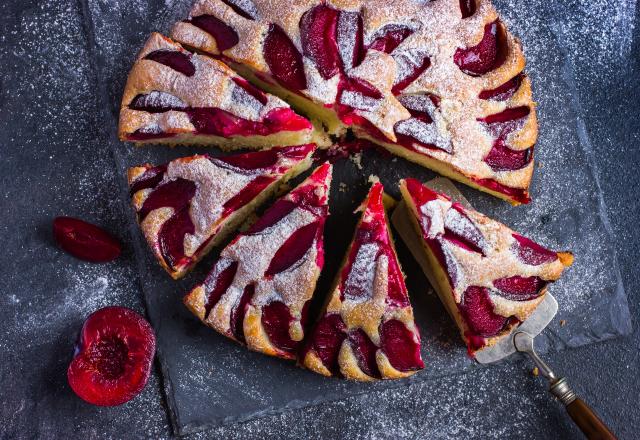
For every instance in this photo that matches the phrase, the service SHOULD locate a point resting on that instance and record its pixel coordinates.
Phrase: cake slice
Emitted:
(175, 97)
(367, 330)
(189, 205)
(489, 278)
(440, 83)
(258, 289)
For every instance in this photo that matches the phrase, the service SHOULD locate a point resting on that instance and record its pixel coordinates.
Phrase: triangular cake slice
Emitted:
(367, 330)
(173, 96)
(258, 290)
(189, 205)
(489, 278)
(440, 83)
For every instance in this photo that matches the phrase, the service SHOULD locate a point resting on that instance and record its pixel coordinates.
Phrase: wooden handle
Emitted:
(588, 421)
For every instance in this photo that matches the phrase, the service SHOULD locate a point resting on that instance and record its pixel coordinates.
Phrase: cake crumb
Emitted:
(356, 159)
(343, 187)
(563, 322)
(540, 164)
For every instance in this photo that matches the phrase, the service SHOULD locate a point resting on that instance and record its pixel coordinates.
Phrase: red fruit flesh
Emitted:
(250, 161)
(239, 312)
(304, 197)
(517, 194)
(276, 320)
(224, 34)
(171, 238)
(178, 61)
(157, 102)
(371, 240)
(360, 86)
(250, 13)
(477, 310)
(284, 60)
(327, 339)
(505, 91)
(519, 288)
(400, 346)
(503, 158)
(390, 37)
(141, 135)
(467, 8)
(175, 194)
(318, 34)
(251, 90)
(411, 64)
(294, 249)
(413, 130)
(113, 357)
(487, 55)
(350, 40)
(365, 352)
(459, 228)
(218, 122)
(84, 240)
(419, 193)
(247, 194)
(530, 252)
(508, 115)
(217, 283)
(279, 210)
(150, 179)
(397, 295)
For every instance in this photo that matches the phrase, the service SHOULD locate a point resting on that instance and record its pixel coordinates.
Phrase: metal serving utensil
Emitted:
(522, 337)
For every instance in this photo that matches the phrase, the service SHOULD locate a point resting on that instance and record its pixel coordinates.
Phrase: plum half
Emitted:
(112, 359)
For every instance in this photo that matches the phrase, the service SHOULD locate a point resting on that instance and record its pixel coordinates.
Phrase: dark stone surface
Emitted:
(57, 161)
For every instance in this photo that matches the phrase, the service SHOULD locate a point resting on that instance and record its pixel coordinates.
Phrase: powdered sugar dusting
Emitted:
(362, 273)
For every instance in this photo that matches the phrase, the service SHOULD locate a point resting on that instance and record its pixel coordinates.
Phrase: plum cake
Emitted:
(367, 330)
(173, 96)
(440, 83)
(489, 278)
(259, 288)
(189, 205)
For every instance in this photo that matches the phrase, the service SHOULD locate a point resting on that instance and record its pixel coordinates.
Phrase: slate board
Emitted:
(210, 381)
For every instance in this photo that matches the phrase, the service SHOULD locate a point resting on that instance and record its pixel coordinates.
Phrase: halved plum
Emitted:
(389, 37)
(505, 91)
(226, 37)
(399, 345)
(327, 338)
(113, 357)
(350, 40)
(284, 59)
(294, 248)
(365, 352)
(477, 309)
(487, 55)
(276, 320)
(178, 61)
(84, 240)
(531, 252)
(518, 288)
(217, 283)
(503, 158)
(411, 64)
(318, 27)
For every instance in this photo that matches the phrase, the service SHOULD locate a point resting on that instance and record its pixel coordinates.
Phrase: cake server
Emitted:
(522, 337)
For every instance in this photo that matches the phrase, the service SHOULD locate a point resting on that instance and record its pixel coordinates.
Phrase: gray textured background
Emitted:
(56, 54)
